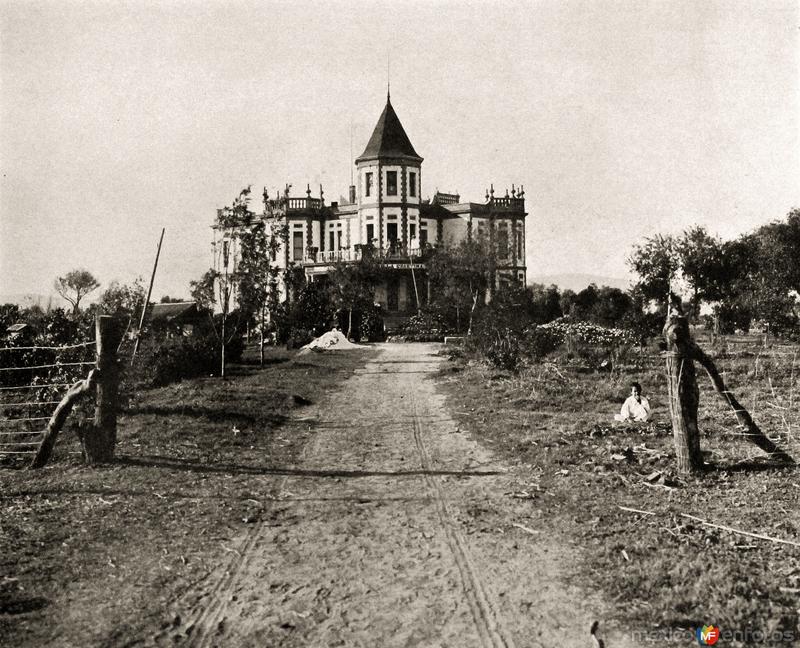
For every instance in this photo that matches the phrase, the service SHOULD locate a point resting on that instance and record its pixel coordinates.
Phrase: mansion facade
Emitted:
(386, 217)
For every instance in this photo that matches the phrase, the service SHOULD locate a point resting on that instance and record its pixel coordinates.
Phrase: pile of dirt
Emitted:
(332, 340)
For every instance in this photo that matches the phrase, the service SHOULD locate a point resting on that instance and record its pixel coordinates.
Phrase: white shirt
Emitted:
(638, 410)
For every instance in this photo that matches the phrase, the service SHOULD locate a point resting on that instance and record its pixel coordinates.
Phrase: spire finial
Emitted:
(388, 77)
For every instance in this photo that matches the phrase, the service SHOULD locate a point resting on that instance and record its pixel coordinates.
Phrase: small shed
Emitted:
(19, 330)
(180, 316)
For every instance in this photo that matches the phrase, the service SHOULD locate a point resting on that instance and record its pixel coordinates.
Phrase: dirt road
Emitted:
(395, 529)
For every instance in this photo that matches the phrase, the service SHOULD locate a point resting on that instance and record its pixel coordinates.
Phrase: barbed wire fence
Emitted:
(767, 381)
(33, 380)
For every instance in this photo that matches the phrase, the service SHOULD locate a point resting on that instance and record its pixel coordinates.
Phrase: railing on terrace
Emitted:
(390, 253)
(508, 202)
(295, 204)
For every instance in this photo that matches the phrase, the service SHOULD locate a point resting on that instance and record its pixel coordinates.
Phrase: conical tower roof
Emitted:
(389, 139)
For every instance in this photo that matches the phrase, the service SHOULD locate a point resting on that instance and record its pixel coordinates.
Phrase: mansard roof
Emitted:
(389, 139)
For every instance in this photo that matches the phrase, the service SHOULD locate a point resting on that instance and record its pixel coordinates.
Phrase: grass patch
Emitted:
(90, 555)
(657, 571)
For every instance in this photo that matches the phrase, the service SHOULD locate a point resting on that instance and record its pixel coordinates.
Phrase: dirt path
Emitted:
(394, 530)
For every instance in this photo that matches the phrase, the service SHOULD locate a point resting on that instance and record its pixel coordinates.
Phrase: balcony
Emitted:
(285, 205)
(390, 254)
(507, 203)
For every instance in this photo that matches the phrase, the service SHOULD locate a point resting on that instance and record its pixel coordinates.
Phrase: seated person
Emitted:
(635, 407)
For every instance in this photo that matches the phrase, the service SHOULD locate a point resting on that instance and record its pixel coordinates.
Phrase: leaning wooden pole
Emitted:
(100, 440)
(414, 279)
(751, 431)
(147, 299)
(684, 395)
(73, 395)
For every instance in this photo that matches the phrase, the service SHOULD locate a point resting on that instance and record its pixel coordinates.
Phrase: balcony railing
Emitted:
(397, 253)
(294, 204)
(508, 203)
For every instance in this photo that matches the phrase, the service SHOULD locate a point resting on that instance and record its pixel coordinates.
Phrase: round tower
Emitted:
(389, 186)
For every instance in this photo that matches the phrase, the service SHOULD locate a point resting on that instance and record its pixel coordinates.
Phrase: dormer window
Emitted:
(391, 183)
(368, 184)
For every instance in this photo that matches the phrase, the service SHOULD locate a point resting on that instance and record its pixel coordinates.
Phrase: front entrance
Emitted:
(392, 294)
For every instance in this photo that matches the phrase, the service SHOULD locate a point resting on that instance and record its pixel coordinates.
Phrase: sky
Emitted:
(622, 119)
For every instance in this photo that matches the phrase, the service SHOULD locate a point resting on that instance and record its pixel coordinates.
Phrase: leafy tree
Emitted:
(758, 281)
(238, 214)
(352, 285)
(701, 264)
(258, 276)
(58, 329)
(311, 311)
(202, 290)
(566, 302)
(512, 308)
(605, 306)
(611, 306)
(779, 252)
(656, 263)
(585, 302)
(790, 242)
(74, 286)
(640, 320)
(294, 279)
(121, 300)
(546, 302)
(460, 277)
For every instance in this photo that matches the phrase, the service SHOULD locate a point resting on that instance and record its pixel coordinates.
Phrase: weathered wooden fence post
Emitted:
(684, 395)
(100, 440)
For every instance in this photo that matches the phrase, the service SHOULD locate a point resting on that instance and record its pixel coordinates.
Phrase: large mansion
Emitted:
(386, 216)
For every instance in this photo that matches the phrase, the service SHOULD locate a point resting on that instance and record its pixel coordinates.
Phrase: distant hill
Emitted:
(578, 282)
(25, 300)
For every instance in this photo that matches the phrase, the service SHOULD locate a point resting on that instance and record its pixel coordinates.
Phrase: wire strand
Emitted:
(35, 386)
(49, 348)
(21, 433)
(58, 364)
(33, 418)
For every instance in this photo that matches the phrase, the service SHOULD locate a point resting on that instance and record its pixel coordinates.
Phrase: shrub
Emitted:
(425, 327)
(311, 312)
(163, 360)
(371, 327)
(539, 341)
(503, 351)
(298, 337)
(590, 333)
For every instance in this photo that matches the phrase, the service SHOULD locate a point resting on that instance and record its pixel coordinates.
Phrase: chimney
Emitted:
(352, 194)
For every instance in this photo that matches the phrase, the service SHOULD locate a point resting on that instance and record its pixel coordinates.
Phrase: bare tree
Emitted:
(75, 285)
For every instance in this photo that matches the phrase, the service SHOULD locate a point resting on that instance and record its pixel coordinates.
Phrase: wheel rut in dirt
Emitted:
(484, 609)
(391, 530)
